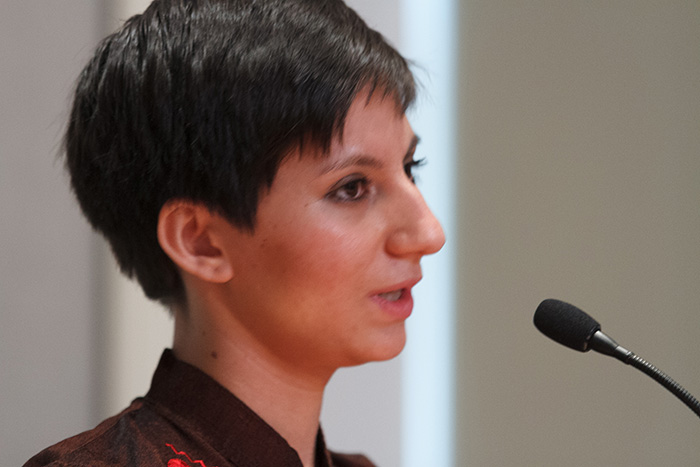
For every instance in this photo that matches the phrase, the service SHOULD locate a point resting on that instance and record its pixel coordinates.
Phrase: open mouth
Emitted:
(397, 303)
(392, 296)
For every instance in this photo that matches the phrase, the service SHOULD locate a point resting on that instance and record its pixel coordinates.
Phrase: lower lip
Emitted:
(399, 309)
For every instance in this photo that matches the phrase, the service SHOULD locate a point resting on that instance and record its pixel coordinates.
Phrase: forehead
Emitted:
(362, 159)
(314, 140)
(375, 124)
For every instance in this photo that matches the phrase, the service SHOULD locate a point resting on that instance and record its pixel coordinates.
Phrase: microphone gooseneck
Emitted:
(572, 327)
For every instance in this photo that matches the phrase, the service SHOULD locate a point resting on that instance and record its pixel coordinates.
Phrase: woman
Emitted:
(250, 163)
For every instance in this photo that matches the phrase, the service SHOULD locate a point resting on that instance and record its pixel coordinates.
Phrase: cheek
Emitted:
(321, 254)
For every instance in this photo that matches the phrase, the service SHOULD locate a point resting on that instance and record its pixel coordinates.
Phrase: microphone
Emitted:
(572, 327)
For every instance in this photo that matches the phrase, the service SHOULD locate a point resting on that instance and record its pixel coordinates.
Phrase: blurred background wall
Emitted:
(577, 144)
(579, 175)
(48, 363)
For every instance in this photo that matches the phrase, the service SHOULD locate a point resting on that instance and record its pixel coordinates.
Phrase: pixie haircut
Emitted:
(201, 100)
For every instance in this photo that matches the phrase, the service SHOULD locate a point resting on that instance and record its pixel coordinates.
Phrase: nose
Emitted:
(415, 230)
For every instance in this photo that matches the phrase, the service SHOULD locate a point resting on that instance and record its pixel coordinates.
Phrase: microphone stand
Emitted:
(601, 342)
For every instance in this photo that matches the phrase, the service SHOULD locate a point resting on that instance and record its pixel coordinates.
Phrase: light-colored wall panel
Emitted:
(580, 171)
(46, 307)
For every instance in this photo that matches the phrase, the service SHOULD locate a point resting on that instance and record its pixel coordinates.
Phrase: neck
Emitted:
(287, 399)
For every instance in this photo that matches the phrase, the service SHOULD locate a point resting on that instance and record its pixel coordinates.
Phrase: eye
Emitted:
(354, 189)
(410, 166)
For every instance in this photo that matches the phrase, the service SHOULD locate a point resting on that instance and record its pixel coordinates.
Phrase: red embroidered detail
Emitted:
(178, 462)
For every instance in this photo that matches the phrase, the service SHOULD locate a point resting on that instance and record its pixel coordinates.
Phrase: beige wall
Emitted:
(580, 180)
(47, 324)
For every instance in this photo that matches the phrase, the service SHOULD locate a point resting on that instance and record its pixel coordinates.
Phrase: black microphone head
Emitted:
(565, 324)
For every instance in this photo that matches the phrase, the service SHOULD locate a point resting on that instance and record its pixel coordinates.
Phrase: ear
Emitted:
(186, 232)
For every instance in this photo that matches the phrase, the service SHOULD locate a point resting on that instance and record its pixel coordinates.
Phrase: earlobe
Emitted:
(185, 232)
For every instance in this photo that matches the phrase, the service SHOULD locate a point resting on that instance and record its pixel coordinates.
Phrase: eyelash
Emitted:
(355, 188)
(410, 166)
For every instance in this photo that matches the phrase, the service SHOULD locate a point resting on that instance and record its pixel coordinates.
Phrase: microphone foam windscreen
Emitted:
(565, 324)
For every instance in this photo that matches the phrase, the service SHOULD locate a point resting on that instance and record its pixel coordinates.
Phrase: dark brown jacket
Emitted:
(186, 420)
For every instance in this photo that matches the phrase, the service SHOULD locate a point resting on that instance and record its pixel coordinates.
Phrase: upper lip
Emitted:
(405, 284)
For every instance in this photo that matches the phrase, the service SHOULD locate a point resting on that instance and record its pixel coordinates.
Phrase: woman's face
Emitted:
(325, 279)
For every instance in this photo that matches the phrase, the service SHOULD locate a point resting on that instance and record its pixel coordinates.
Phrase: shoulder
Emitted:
(118, 440)
(350, 460)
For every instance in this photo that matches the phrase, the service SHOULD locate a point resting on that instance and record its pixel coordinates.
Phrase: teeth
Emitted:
(391, 296)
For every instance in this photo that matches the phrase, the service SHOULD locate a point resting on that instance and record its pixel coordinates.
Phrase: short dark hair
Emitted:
(201, 100)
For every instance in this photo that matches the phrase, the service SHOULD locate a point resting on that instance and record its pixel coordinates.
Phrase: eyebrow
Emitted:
(363, 160)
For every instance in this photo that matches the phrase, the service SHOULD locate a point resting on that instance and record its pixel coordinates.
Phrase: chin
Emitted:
(381, 349)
